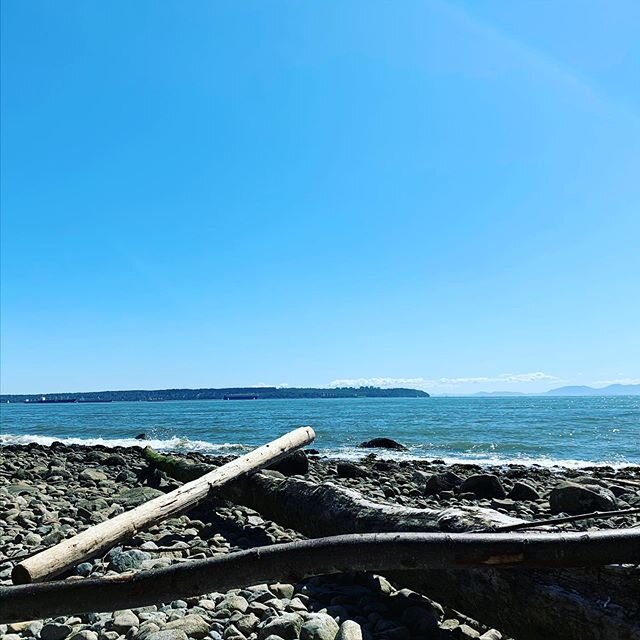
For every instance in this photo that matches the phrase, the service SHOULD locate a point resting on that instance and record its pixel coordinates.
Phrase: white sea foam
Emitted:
(177, 444)
(354, 453)
(170, 444)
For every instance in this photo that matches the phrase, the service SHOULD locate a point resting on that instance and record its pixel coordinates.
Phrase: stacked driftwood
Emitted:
(560, 584)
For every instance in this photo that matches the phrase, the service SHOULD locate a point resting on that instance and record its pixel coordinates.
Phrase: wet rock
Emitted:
(319, 626)
(574, 498)
(350, 470)
(383, 443)
(523, 491)
(115, 460)
(483, 485)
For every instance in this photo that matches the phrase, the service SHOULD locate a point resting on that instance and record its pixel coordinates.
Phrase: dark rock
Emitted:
(54, 631)
(138, 495)
(484, 485)
(442, 482)
(350, 470)
(115, 460)
(295, 464)
(383, 443)
(573, 498)
(523, 491)
(141, 436)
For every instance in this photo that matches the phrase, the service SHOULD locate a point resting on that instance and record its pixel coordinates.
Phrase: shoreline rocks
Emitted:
(50, 493)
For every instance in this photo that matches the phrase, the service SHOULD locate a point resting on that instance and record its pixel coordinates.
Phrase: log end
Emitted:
(20, 575)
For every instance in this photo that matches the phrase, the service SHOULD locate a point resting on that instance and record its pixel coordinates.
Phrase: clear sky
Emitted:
(441, 193)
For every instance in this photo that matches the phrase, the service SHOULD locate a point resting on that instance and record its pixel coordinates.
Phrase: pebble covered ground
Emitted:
(51, 493)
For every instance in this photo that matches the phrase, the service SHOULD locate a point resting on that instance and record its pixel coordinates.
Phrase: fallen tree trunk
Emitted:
(590, 604)
(68, 553)
(297, 560)
(334, 509)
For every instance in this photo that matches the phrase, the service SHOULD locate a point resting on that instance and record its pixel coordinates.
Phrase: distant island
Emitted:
(232, 393)
(576, 390)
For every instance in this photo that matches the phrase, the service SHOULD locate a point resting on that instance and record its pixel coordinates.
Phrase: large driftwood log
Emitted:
(334, 509)
(294, 561)
(578, 604)
(68, 553)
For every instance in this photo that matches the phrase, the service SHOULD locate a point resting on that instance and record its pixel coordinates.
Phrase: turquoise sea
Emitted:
(543, 430)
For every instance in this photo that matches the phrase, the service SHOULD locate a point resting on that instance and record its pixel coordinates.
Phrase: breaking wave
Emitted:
(170, 444)
(178, 444)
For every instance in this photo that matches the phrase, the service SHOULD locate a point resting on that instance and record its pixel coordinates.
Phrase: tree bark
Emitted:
(297, 560)
(578, 604)
(68, 553)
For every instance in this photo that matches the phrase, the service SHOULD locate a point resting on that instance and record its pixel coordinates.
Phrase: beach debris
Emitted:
(296, 560)
(105, 535)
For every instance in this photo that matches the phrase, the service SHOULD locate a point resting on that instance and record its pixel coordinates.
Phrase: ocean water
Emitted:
(529, 430)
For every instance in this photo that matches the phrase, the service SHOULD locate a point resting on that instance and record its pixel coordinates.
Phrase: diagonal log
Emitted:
(579, 604)
(68, 553)
(297, 560)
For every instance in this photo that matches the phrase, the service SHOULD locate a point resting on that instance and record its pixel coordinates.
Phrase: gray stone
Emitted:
(233, 603)
(54, 631)
(168, 634)
(349, 630)
(282, 590)
(483, 485)
(119, 560)
(286, 625)
(146, 629)
(574, 498)
(92, 475)
(84, 634)
(193, 625)
(319, 626)
(124, 620)
(492, 634)
(247, 623)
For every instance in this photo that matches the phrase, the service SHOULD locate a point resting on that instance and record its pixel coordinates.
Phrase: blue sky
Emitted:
(443, 194)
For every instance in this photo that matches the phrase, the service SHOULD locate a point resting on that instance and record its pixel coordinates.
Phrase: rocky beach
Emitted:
(48, 493)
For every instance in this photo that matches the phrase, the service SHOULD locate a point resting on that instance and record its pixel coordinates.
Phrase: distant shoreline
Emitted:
(231, 394)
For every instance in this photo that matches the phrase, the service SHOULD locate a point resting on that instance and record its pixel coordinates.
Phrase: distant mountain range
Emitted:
(576, 390)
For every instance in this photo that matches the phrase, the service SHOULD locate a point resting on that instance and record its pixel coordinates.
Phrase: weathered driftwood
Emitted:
(577, 604)
(68, 553)
(334, 509)
(295, 561)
